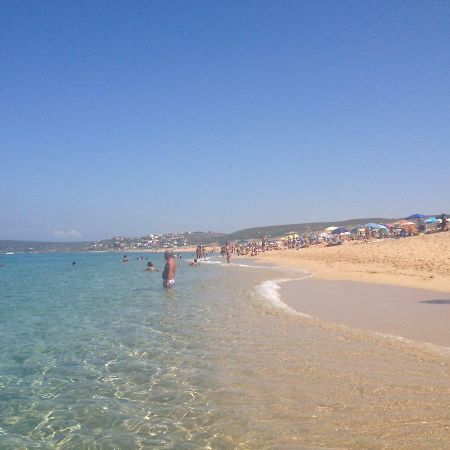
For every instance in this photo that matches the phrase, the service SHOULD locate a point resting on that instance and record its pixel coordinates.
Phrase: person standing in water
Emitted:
(228, 251)
(170, 268)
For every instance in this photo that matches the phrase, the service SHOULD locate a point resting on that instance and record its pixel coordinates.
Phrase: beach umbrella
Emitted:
(416, 216)
(408, 226)
(374, 226)
(330, 229)
(339, 230)
(431, 220)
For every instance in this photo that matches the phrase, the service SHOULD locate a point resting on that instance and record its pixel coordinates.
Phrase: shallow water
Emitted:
(100, 356)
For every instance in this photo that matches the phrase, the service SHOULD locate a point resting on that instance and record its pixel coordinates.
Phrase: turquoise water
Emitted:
(100, 356)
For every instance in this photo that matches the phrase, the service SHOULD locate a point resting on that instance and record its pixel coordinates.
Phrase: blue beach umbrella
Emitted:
(416, 216)
(340, 230)
(431, 220)
(375, 226)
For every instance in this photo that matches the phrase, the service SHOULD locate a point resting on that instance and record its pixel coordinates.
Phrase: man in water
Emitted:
(228, 251)
(170, 268)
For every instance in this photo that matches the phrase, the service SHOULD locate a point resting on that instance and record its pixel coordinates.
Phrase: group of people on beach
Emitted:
(252, 248)
(330, 239)
(200, 252)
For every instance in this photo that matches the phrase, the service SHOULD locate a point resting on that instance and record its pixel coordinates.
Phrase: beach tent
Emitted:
(416, 216)
(375, 226)
(330, 229)
(339, 230)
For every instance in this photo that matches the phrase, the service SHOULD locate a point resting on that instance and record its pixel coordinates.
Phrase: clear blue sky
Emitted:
(133, 117)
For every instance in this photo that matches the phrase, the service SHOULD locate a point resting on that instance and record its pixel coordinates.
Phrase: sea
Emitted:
(97, 355)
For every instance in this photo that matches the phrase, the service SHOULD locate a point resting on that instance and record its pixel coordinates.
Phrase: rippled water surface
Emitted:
(100, 356)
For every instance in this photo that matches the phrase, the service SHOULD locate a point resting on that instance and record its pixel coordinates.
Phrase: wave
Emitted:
(270, 291)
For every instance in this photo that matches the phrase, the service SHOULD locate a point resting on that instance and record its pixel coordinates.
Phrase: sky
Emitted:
(137, 117)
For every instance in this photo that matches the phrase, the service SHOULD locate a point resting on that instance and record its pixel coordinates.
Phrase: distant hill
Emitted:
(183, 239)
(280, 230)
(38, 246)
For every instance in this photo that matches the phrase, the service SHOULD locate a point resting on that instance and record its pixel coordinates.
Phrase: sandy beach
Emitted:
(413, 314)
(421, 262)
(408, 295)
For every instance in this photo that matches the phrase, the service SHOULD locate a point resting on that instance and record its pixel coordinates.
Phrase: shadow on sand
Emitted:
(437, 302)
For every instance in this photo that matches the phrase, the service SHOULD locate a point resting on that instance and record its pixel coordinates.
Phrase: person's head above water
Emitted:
(168, 254)
(150, 264)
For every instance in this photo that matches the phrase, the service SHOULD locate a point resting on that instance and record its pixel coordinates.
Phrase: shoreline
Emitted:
(421, 262)
(407, 313)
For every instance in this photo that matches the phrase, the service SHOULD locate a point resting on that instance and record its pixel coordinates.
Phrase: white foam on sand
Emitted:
(270, 291)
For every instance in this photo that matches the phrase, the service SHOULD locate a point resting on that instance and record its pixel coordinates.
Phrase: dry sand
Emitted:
(419, 262)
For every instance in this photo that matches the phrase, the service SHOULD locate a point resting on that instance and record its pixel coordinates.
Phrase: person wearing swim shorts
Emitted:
(228, 250)
(170, 268)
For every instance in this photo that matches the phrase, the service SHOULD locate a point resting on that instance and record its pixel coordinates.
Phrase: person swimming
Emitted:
(170, 269)
(151, 267)
(194, 263)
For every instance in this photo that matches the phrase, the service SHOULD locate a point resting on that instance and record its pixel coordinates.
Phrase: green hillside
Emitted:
(280, 230)
(39, 246)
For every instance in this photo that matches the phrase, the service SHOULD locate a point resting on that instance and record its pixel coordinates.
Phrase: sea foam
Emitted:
(270, 291)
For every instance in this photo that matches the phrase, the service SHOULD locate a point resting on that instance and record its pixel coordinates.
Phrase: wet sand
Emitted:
(415, 314)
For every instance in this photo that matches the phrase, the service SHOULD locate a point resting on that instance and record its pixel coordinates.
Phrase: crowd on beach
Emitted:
(331, 236)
